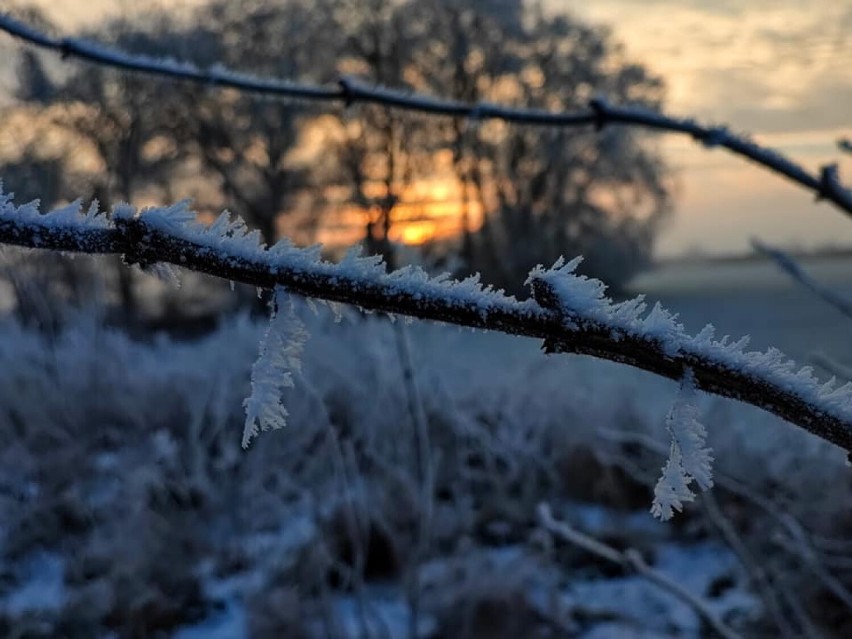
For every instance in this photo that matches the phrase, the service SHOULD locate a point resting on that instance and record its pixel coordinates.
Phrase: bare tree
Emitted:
(246, 145)
(547, 191)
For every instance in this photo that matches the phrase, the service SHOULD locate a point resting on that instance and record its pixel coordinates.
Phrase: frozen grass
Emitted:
(122, 466)
(128, 506)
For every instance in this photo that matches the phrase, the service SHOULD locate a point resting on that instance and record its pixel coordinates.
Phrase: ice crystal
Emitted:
(689, 460)
(279, 358)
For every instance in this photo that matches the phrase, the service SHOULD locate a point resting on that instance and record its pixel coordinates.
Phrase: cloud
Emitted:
(778, 65)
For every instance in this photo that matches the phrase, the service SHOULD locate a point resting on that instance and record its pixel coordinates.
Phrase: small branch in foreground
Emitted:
(569, 312)
(600, 113)
(631, 560)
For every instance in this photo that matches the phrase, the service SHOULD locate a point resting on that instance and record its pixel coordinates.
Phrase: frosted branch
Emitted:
(570, 313)
(599, 114)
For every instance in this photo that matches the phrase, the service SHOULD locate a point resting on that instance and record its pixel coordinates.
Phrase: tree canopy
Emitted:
(499, 198)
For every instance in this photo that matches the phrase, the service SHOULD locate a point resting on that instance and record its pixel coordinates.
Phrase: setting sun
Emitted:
(428, 210)
(415, 233)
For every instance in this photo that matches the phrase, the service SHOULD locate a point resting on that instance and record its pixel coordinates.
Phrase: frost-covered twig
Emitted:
(825, 185)
(569, 312)
(630, 559)
(789, 265)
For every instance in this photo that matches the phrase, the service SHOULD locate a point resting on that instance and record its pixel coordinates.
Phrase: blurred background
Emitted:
(128, 507)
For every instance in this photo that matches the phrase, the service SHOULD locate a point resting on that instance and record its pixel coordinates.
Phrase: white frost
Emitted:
(583, 301)
(70, 216)
(689, 458)
(280, 356)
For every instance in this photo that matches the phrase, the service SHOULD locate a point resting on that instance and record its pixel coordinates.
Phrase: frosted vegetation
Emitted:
(123, 463)
(124, 466)
(421, 482)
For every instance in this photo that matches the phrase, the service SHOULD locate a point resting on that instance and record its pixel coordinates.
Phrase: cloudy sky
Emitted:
(778, 69)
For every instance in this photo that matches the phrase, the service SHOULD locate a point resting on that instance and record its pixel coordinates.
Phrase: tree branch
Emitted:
(568, 311)
(789, 265)
(599, 114)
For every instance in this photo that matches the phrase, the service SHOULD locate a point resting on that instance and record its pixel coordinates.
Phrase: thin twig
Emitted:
(757, 574)
(801, 547)
(793, 600)
(630, 559)
(825, 184)
(425, 473)
(791, 267)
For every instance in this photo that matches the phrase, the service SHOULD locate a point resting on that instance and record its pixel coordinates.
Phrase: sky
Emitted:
(776, 69)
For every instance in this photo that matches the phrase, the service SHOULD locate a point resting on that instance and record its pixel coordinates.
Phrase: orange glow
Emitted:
(415, 233)
(428, 209)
